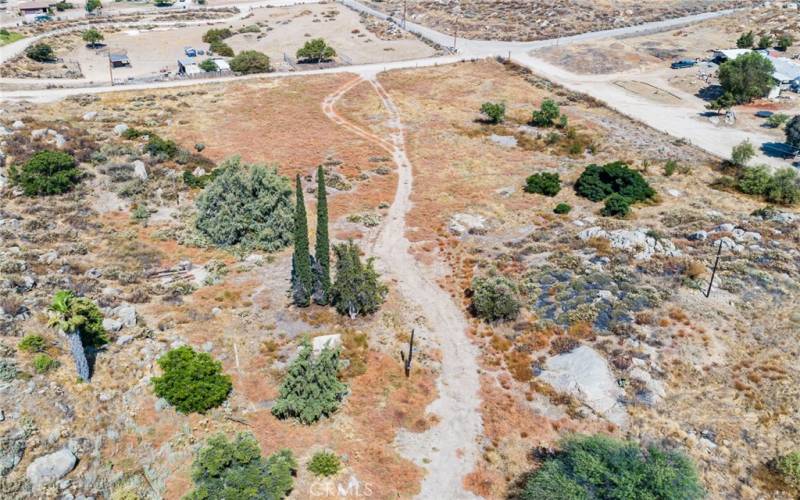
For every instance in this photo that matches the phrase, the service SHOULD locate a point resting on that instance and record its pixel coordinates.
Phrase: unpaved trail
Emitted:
(449, 450)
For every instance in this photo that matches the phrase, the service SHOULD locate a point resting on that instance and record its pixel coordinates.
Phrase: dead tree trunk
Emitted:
(407, 359)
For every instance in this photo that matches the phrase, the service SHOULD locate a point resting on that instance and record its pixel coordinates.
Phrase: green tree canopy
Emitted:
(249, 205)
(546, 183)
(46, 173)
(357, 288)
(93, 5)
(595, 467)
(599, 182)
(495, 112)
(747, 77)
(745, 41)
(250, 61)
(322, 247)
(316, 50)
(92, 36)
(311, 389)
(302, 277)
(742, 153)
(235, 470)
(547, 114)
(209, 65)
(192, 381)
(40, 52)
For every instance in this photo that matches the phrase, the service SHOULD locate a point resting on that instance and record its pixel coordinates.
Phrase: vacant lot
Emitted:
(523, 20)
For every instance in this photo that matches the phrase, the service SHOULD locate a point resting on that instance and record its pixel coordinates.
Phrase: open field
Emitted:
(273, 31)
(406, 155)
(523, 20)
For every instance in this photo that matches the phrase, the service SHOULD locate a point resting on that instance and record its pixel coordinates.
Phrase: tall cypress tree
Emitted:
(302, 279)
(322, 253)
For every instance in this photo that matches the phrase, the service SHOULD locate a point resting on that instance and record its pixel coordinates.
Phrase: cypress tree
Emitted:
(322, 249)
(302, 279)
(357, 288)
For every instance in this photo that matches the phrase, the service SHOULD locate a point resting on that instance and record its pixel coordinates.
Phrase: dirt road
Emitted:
(449, 450)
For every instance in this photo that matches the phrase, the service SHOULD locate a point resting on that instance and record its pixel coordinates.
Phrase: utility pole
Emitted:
(110, 69)
(714, 271)
(404, 14)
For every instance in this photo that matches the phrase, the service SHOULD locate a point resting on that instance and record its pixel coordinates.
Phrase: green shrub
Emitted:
(8, 370)
(32, 343)
(92, 37)
(616, 205)
(236, 470)
(249, 205)
(746, 40)
(742, 153)
(784, 188)
(46, 173)
(40, 52)
(140, 213)
(670, 167)
(788, 466)
(311, 389)
(784, 42)
(43, 363)
(316, 50)
(134, 133)
(62, 6)
(562, 208)
(776, 120)
(597, 183)
(221, 48)
(199, 181)
(754, 180)
(589, 467)
(356, 288)
(546, 183)
(494, 298)
(324, 463)
(495, 112)
(217, 35)
(250, 61)
(547, 114)
(192, 381)
(764, 42)
(161, 148)
(93, 5)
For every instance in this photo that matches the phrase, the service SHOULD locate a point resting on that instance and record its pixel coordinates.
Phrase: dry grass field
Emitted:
(716, 378)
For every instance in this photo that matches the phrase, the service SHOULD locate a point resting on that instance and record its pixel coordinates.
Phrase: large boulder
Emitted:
(49, 468)
(584, 373)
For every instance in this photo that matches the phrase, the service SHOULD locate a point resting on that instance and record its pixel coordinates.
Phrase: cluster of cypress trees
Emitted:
(311, 276)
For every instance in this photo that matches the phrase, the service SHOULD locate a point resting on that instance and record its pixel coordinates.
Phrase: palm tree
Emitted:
(68, 319)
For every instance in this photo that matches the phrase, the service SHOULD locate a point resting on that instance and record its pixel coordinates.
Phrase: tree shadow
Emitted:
(710, 93)
(779, 150)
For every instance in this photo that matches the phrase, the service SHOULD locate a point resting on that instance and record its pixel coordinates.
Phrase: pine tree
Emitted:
(357, 289)
(302, 279)
(311, 389)
(322, 249)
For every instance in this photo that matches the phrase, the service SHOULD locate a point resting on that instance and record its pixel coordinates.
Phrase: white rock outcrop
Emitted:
(585, 374)
(637, 240)
(49, 468)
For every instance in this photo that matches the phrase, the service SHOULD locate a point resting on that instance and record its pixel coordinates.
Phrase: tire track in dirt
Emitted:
(449, 450)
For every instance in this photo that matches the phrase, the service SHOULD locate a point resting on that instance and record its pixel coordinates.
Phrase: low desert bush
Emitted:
(562, 208)
(217, 34)
(603, 467)
(43, 363)
(192, 381)
(599, 182)
(324, 463)
(546, 183)
(494, 298)
(32, 343)
(616, 205)
(788, 466)
(495, 112)
(46, 173)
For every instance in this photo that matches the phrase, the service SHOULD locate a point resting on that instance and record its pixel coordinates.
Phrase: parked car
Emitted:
(191, 52)
(683, 63)
(43, 18)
